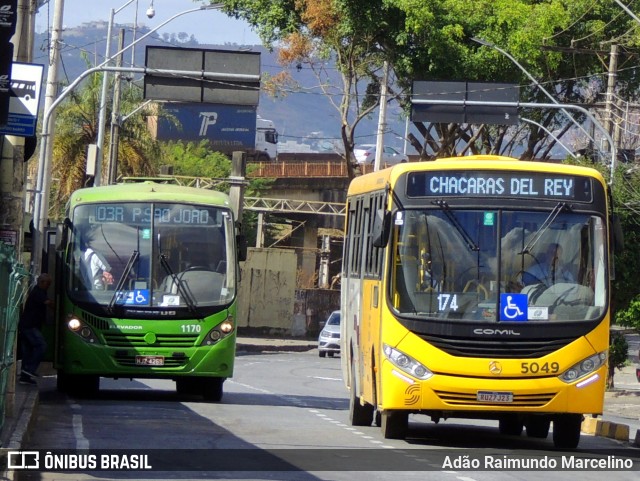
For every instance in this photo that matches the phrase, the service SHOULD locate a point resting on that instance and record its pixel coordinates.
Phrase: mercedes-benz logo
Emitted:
(495, 368)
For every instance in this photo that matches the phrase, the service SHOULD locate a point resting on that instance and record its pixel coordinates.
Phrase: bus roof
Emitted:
(378, 180)
(149, 191)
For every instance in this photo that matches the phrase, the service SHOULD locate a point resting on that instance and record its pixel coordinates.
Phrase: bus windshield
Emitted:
(152, 255)
(499, 265)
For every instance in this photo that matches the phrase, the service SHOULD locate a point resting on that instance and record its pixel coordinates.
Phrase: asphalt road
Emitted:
(288, 413)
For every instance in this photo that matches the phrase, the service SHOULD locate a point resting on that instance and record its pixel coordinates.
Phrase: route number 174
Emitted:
(447, 302)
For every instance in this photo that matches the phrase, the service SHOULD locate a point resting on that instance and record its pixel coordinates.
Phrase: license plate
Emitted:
(494, 397)
(149, 360)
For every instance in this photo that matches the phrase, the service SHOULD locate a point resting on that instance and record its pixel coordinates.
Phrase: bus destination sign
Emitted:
(500, 184)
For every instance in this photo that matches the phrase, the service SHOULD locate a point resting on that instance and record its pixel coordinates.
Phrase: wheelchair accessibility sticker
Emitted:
(513, 307)
(137, 297)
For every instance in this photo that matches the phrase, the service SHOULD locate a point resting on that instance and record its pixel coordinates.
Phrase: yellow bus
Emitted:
(477, 287)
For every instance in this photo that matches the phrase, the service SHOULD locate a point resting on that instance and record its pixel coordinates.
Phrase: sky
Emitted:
(210, 27)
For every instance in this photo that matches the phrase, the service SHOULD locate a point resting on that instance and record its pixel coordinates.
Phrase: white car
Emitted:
(366, 154)
(329, 339)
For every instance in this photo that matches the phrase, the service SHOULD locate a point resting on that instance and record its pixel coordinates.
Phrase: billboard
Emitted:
(226, 127)
(464, 91)
(225, 76)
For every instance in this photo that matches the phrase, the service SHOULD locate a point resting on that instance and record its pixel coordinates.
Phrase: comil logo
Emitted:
(23, 460)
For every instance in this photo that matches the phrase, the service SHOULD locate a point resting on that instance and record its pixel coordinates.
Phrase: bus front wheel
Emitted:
(212, 389)
(395, 424)
(77, 385)
(510, 425)
(566, 431)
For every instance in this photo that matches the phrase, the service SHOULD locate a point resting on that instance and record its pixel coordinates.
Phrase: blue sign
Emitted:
(513, 307)
(226, 127)
(137, 297)
(26, 83)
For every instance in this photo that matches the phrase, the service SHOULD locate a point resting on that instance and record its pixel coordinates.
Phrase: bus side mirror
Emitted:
(241, 242)
(62, 234)
(381, 228)
(618, 235)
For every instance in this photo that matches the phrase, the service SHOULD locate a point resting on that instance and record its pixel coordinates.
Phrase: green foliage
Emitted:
(618, 350)
(196, 160)
(76, 126)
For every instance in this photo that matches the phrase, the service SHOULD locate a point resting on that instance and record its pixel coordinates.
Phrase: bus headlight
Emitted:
(584, 367)
(74, 324)
(223, 329)
(406, 363)
(78, 327)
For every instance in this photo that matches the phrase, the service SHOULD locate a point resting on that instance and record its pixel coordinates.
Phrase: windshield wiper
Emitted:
(456, 223)
(560, 206)
(127, 269)
(188, 299)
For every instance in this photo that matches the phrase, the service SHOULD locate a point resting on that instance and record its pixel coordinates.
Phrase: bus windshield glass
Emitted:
(499, 265)
(152, 255)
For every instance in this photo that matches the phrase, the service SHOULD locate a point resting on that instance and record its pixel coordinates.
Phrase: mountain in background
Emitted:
(304, 116)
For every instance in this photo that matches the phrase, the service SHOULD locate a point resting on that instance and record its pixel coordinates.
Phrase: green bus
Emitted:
(147, 279)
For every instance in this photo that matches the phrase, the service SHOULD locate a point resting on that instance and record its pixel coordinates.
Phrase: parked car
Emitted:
(366, 154)
(329, 339)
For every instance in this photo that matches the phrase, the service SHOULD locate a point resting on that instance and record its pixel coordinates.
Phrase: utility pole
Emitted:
(43, 183)
(382, 118)
(115, 116)
(610, 99)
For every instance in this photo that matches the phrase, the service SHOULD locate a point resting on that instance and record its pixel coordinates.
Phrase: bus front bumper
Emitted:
(446, 393)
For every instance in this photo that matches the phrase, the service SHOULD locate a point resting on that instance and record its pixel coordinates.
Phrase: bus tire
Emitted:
(322, 353)
(187, 385)
(359, 415)
(78, 385)
(537, 427)
(510, 425)
(212, 389)
(395, 424)
(566, 431)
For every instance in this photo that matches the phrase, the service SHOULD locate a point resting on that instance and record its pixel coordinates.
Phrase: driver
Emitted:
(549, 270)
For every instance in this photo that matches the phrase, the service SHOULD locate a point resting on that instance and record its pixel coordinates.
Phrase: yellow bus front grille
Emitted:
(519, 400)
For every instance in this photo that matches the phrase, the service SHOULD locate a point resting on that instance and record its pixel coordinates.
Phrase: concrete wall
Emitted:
(267, 290)
(269, 302)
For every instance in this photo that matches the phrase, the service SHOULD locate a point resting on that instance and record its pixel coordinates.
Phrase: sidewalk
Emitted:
(621, 410)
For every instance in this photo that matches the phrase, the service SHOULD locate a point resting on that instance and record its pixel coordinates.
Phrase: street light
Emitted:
(533, 122)
(41, 193)
(102, 113)
(533, 79)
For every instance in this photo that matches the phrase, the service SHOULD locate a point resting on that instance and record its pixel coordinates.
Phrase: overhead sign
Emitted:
(464, 91)
(226, 76)
(26, 84)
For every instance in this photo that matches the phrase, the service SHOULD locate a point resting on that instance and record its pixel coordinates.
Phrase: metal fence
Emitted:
(13, 286)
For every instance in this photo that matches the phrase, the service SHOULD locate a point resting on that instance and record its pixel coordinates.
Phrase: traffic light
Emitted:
(8, 16)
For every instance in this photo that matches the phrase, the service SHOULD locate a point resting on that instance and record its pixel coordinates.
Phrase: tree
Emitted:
(556, 41)
(77, 126)
(618, 352)
(196, 159)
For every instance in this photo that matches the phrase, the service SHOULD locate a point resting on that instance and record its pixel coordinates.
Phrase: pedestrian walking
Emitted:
(32, 343)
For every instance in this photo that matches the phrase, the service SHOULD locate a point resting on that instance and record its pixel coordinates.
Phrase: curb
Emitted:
(240, 348)
(608, 429)
(20, 427)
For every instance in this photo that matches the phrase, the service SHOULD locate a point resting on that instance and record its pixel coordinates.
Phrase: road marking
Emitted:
(326, 378)
(78, 432)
